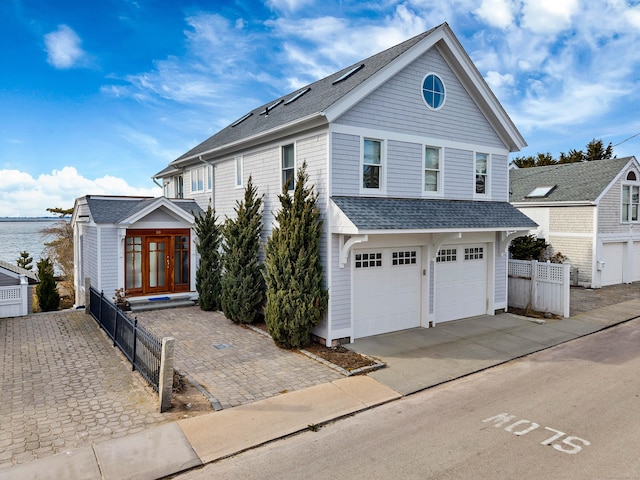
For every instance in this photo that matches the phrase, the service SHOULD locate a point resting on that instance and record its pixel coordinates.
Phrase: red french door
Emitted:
(157, 261)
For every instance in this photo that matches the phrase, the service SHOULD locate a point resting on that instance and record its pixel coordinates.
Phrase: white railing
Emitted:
(13, 301)
(540, 286)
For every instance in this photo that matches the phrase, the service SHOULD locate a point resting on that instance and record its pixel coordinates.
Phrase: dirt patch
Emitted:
(525, 312)
(187, 399)
(339, 356)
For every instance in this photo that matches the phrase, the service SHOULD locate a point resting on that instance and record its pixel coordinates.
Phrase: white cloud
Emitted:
(549, 16)
(288, 5)
(63, 48)
(22, 195)
(497, 13)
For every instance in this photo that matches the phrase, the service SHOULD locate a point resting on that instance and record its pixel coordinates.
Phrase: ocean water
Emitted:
(23, 235)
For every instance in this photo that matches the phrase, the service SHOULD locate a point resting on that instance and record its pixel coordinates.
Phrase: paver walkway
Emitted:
(234, 364)
(63, 386)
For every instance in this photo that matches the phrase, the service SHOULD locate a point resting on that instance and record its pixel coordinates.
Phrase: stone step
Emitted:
(158, 305)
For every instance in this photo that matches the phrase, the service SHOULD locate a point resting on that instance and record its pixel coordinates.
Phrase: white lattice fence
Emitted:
(13, 301)
(540, 286)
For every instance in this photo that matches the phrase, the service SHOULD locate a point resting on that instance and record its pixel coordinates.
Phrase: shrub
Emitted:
(46, 292)
(208, 273)
(296, 297)
(242, 280)
(528, 247)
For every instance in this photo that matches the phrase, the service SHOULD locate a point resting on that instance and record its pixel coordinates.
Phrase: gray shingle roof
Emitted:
(31, 276)
(321, 95)
(116, 209)
(368, 213)
(574, 182)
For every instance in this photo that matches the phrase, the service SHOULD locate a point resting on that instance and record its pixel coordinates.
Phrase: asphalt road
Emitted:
(570, 412)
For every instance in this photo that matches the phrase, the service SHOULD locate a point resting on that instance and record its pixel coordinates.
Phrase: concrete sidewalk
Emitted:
(446, 352)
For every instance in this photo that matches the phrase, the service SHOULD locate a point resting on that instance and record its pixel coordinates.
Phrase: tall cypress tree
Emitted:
(296, 297)
(46, 291)
(242, 281)
(208, 281)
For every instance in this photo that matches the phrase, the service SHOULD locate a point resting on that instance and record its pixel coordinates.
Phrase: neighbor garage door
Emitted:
(613, 257)
(636, 262)
(386, 290)
(461, 282)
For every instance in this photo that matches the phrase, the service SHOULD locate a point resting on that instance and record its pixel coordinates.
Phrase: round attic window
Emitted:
(433, 91)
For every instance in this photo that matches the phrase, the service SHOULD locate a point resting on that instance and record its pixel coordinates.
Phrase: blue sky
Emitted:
(96, 97)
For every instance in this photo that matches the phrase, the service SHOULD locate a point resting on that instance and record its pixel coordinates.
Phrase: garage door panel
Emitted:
(386, 297)
(461, 282)
(636, 262)
(613, 257)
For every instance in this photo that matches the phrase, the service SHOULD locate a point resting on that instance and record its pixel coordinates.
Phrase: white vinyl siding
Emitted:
(397, 106)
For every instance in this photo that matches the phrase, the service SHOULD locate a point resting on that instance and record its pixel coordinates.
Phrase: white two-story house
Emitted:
(408, 151)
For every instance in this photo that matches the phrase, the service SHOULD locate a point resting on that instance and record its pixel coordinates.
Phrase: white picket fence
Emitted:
(14, 301)
(540, 286)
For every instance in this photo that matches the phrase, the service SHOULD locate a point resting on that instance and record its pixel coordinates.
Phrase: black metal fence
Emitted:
(142, 348)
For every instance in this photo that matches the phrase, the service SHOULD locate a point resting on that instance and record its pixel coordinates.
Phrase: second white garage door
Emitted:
(613, 257)
(461, 282)
(386, 290)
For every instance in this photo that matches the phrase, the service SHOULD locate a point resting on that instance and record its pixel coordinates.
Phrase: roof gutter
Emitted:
(559, 203)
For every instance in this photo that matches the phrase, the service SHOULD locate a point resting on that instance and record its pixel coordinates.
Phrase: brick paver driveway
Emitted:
(63, 386)
(234, 364)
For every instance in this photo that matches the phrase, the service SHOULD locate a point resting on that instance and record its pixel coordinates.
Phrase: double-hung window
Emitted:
(197, 180)
(432, 170)
(372, 165)
(239, 172)
(482, 173)
(630, 202)
(209, 178)
(288, 167)
(179, 187)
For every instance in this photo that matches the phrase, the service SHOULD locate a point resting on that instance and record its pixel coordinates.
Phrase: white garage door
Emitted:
(461, 282)
(613, 257)
(386, 290)
(636, 262)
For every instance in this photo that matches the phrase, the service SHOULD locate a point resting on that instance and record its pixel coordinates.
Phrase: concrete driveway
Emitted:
(424, 357)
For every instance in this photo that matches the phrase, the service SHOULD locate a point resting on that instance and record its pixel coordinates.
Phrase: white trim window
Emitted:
(288, 165)
(630, 202)
(481, 174)
(239, 172)
(432, 172)
(372, 165)
(179, 186)
(210, 178)
(197, 179)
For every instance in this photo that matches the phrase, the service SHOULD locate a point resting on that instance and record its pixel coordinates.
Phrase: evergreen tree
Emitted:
(208, 282)
(242, 281)
(528, 247)
(46, 292)
(25, 261)
(296, 297)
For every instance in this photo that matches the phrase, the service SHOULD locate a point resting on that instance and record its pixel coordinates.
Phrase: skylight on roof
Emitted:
(271, 107)
(239, 121)
(540, 192)
(297, 96)
(344, 76)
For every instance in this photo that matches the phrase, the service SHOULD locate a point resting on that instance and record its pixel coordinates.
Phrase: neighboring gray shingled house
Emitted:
(16, 290)
(409, 152)
(144, 245)
(588, 212)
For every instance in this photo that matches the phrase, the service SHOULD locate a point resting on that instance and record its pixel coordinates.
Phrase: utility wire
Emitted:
(632, 136)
